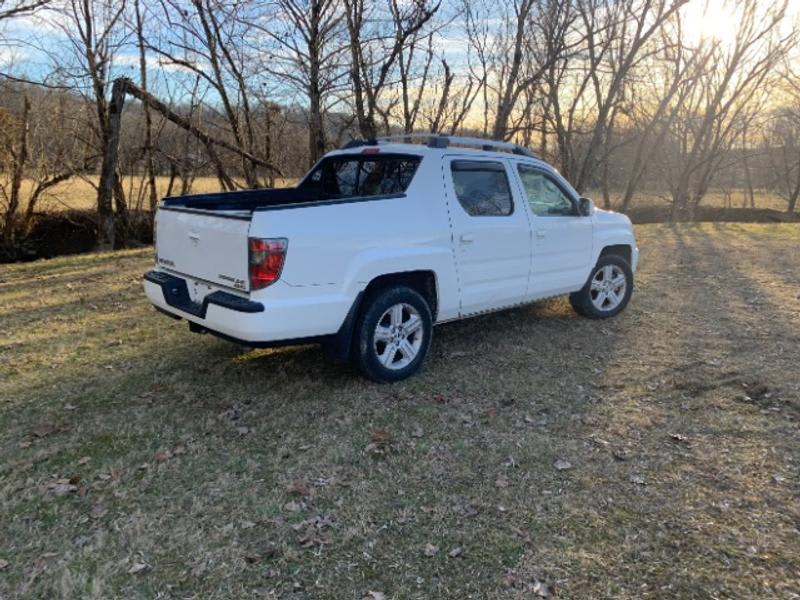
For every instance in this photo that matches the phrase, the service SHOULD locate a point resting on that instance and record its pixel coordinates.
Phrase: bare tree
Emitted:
(719, 103)
(309, 54)
(378, 33)
(210, 39)
(148, 119)
(783, 138)
(94, 32)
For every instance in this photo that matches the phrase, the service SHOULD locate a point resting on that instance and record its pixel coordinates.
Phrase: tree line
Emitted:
(623, 96)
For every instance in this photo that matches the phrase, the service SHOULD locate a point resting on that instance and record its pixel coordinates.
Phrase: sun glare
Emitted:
(710, 20)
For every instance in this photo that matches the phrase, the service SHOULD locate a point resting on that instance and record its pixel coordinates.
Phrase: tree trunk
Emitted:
(148, 121)
(108, 172)
(17, 172)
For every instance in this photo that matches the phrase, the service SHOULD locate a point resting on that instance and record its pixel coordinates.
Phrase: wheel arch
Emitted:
(423, 281)
(622, 250)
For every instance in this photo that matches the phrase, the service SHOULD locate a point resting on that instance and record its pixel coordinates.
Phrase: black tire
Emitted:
(365, 350)
(582, 300)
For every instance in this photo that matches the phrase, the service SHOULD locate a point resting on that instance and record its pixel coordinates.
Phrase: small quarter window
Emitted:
(482, 188)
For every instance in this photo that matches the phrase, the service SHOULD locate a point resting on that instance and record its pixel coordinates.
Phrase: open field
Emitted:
(138, 460)
(80, 194)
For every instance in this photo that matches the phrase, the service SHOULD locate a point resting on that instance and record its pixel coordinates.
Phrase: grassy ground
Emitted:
(651, 456)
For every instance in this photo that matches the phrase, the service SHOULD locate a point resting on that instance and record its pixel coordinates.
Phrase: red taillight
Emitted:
(266, 261)
(371, 151)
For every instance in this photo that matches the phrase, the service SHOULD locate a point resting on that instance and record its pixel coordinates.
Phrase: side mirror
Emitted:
(585, 207)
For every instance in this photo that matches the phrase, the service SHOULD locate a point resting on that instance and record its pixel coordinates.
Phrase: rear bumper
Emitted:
(176, 294)
(282, 319)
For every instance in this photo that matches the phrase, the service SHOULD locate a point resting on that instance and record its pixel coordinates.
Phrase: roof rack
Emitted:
(358, 143)
(437, 140)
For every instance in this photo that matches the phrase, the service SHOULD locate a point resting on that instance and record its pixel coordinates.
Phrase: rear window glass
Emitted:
(482, 188)
(355, 176)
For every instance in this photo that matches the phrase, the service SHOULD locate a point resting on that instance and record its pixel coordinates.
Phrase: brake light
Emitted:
(266, 261)
(371, 151)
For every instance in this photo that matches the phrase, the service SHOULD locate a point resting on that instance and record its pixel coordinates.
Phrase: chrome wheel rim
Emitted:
(608, 288)
(398, 336)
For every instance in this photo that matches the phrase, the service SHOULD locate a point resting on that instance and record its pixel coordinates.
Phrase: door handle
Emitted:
(540, 235)
(467, 238)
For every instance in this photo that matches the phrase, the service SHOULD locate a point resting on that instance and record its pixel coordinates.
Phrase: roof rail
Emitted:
(358, 143)
(437, 140)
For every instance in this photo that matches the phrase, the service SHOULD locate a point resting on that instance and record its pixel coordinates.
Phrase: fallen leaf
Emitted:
(292, 506)
(138, 567)
(24, 444)
(455, 552)
(620, 454)
(678, 437)
(541, 589)
(61, 487)
(430, 550)
(247, 525)
(637, 479)
(562, 465)
(298, 487)
(46, 429)
(501, 481)
(162, 457)
(83, 460)
(380, 438)
(375, 596)
(3, 564)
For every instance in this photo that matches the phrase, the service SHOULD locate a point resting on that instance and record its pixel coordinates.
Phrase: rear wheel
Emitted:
(607, 290)
(393, 334)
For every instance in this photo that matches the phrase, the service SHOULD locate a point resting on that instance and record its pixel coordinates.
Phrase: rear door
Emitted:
(490, 232)
(207, 246)
(562, 238)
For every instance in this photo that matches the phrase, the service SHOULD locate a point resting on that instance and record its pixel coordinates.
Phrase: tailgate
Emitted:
(206, 246)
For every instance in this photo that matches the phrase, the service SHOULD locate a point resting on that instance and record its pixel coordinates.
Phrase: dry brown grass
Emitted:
(274, 473)
(80, 193)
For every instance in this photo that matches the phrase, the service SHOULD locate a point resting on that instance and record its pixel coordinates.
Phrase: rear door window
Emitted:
(362, 176)
(482, 187)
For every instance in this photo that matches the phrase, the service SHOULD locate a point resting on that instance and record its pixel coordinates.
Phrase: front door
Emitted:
(490, 232)
(562, 238)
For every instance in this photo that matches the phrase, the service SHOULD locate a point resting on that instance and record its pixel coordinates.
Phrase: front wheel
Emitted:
(607, 290)
(393, 334)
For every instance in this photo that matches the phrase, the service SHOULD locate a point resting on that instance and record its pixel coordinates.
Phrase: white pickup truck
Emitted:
(380, 241)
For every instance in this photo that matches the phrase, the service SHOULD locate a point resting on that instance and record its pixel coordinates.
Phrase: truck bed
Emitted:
(247, 199)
